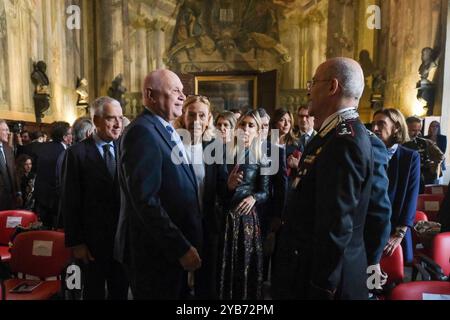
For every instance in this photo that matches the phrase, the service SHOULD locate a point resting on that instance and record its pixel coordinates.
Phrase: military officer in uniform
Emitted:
(321, 254)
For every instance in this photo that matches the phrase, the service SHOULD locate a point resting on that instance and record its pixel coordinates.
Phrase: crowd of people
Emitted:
(184, 203)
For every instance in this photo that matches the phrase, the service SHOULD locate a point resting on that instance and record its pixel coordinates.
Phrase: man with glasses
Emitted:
(305, 124)
(321, 252)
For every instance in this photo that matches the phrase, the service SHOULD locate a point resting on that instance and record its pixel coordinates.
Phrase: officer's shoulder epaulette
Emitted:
(345, 128)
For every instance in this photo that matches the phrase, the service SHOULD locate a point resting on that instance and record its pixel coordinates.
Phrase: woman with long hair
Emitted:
(404, 178)
(241, 272)
(283, 121)
(26, 178)
(434, 134)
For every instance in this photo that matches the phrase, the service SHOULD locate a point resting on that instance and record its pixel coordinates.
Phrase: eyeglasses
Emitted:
(312, 82)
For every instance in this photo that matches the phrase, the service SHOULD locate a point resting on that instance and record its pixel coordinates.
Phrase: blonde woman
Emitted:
(242, 258)
(197, 119)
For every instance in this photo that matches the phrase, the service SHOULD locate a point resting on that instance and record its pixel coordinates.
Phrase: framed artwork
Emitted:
(228, 92)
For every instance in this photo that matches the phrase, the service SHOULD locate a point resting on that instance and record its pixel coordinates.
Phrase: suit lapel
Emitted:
(168, 140)
(394, 165)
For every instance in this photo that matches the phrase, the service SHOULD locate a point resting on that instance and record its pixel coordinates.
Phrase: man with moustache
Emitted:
(160, 228)
(90, 204)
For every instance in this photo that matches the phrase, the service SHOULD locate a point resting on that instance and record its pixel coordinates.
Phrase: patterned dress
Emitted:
(241, 270)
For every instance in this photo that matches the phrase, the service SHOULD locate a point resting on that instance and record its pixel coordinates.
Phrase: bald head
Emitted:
(338, 83)
(349, 74)
(163, 94)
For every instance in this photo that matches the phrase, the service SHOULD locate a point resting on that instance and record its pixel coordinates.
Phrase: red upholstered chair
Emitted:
(41, 254)
(435, 189)
(436, 261)
(430, 204)
(415, 290)
(9, 220)
(393, 266)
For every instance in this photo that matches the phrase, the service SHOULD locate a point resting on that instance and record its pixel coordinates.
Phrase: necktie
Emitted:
(110, 160)
(4, 170)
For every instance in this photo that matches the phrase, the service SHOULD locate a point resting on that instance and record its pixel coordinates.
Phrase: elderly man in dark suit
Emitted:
(321, 252)
(160, 227)
(9, 191)
(45, 188)
(90, 203)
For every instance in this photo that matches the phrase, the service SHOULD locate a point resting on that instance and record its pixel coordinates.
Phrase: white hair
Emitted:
(98, 105)
(350, 76)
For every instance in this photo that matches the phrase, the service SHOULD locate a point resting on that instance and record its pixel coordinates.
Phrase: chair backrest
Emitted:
(39, 253)
(9, 220)
(420, 216)
(435, 189)
(440, 251)
(430, 204)
(393, 266)
(415, 290)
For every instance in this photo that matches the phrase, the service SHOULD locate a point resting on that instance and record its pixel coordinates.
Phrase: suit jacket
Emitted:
(160, 217)
(378, 221)
(321, 252)
(45, 185)
(90, 201)
(215, 178)
(404, 184)
(7, 196)
(302, 141)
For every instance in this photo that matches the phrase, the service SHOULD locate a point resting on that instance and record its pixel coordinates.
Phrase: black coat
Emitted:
(90, 201)
(321, 253)
(45, 185)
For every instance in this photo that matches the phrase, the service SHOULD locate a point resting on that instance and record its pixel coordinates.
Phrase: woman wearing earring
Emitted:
(404, 179)
(197, 120)
(241, 272)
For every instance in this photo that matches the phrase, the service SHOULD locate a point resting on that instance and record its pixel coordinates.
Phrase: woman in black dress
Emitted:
(241, 270)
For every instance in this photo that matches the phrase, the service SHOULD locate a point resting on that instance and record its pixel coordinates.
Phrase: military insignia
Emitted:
(345, 129)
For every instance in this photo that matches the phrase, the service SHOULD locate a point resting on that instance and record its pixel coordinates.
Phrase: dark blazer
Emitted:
(378, 221)
(160, 218)
(404, 184)
(7, 197)
(90, 201)
(215, 178)
(321, 252)
(45, 185)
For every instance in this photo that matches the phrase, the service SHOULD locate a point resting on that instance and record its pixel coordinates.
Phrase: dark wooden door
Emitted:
(267, 91)
(188, 81)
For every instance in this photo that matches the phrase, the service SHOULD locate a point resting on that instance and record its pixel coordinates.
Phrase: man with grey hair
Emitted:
(90, 203)
(9, 196)
(82, 129)
(321, 252)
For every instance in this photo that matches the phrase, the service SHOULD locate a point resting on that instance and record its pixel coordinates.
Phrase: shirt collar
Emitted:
(64, 145)
(392, 150)
(333, 117)
(99, 142)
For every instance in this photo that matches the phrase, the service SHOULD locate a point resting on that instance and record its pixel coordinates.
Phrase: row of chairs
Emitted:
(35, 258)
